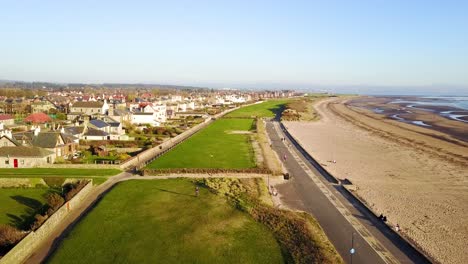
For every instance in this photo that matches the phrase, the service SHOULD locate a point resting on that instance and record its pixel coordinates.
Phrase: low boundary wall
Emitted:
(26, 247)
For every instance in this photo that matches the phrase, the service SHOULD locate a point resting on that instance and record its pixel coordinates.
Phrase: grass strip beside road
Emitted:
(164, 222)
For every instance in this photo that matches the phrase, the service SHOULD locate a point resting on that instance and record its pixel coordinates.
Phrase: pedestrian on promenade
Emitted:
(397, 228)
(197, 191)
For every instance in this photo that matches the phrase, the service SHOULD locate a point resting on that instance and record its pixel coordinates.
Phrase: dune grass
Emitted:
(220, 145)
(163, 221)
(265, 109)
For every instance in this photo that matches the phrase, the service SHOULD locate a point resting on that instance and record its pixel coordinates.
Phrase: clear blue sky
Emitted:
(269, 44)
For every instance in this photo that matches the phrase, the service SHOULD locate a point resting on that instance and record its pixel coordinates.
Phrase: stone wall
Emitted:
(21, 182)
(81, 166)
(26, 247)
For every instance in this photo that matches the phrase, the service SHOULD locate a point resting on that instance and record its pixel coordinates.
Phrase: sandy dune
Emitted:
(417, 181)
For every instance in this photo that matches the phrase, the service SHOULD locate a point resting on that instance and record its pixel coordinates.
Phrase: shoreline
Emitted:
(417, 180)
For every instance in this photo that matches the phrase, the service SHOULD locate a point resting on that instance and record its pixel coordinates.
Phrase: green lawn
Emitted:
(56, 172)
(213, 147)
(97, 175)
(265, 109)
(161, 221)
(19, 205)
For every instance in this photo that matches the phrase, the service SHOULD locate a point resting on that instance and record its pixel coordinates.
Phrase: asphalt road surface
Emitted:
(345, 221)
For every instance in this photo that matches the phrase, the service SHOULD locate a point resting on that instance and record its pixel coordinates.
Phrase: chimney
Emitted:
(37, 130)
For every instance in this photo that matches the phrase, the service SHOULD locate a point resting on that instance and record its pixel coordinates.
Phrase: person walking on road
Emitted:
(197, 191)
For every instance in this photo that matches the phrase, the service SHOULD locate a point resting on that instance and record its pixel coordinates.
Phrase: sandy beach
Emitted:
(417, 177)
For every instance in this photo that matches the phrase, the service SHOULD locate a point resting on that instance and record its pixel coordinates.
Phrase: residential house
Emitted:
(7, 119)
(89, 108)
(7, 140)
(120, 115)
(25, 157)
(141, 118)
(87, 133)
(61, 143)
(42, 106)
(99, 125)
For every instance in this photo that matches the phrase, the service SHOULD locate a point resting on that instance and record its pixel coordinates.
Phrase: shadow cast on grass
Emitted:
(25, 220)
(163, 190)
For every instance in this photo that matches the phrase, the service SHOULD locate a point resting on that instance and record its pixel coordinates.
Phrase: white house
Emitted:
(141, 118)
(191, 105)
(24, 157)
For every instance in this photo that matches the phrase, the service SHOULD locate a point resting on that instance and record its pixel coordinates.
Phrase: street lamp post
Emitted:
(352, 250)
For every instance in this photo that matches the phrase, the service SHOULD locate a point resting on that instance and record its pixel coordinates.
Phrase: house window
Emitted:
(7, 162)
(5, 144)
(22, 162)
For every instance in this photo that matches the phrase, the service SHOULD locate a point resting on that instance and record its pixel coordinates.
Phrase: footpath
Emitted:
(52, 241)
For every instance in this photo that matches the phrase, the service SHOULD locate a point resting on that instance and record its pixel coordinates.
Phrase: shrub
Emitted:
(54, 181)
(9, 236)
(300, 236)
(71, 189)
(60, 160)
(38, 221)
(54, 200)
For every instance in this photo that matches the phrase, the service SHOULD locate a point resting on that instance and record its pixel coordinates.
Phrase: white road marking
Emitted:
(386, 256)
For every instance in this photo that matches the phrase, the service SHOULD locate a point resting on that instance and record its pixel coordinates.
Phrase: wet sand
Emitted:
(416, 176)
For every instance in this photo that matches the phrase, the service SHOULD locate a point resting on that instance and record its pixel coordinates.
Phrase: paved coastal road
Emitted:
(342, 218)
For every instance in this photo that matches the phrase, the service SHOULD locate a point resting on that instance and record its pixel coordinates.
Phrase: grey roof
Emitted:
(119, 112)
(114, 124)
(12, 140)
(88, 104)
(74, 130)
(98, 123)
(43, 139)
(95, 132)
(22, 151)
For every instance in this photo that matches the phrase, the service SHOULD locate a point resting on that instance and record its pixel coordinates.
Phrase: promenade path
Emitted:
(345, 221)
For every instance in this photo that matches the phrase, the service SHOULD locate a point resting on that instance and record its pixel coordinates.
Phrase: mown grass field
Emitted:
(265, 109)
(162, 221)
(56, 172)
(213, 147)
(97, 175)
(19, 205)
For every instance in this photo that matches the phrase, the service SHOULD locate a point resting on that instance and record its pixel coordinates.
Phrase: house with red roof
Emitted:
(38, 118)
(7, 119)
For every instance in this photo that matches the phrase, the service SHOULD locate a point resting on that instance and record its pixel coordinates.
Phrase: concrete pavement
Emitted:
(344, 221)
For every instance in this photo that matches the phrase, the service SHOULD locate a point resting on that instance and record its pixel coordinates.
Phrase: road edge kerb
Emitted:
(333, 179)
(413, 244)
